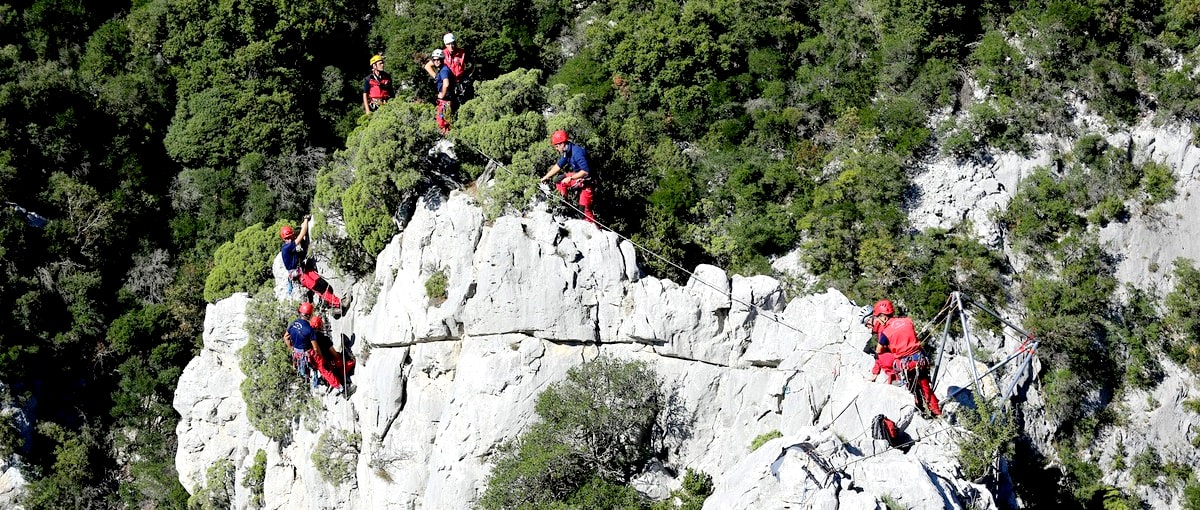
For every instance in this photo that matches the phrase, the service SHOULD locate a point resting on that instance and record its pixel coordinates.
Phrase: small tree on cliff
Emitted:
(595, 428)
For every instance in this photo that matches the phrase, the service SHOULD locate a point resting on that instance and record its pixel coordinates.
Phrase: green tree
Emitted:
(243, 264)
(594, 432)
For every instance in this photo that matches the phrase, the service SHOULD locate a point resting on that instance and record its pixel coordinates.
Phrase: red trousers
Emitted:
(330, 368)
(585, 196)
(442, 107)
(916, 372)
(313, 281)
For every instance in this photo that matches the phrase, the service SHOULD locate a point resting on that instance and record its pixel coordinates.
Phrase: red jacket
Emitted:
(456, 60)
(901, 336)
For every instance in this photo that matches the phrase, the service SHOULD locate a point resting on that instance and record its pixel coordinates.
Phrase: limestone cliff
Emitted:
(442, 383)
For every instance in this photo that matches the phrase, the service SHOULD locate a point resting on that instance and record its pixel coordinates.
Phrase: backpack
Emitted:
(885, 429)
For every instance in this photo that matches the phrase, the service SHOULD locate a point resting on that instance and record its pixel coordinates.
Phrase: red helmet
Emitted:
(306, 308)
(884, 307)
(286, 232)
(316, 322)
(558, 137)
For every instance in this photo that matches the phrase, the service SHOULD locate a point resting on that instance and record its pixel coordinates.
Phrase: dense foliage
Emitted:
(593, 436)
(140, 139)
(276, 396)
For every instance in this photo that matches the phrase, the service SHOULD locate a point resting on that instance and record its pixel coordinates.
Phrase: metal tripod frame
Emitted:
(1025, 353)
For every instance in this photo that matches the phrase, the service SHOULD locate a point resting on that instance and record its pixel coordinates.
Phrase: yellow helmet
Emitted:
(376, 58)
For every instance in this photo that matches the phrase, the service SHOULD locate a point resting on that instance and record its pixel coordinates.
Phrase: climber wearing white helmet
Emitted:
(456, 57)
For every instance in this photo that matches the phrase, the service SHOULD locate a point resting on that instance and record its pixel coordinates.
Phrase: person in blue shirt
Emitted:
(573, 163)
(294, 247)
(302, 339)
(444, 81)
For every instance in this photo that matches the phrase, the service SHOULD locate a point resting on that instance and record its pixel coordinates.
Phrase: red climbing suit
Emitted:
(902, 342)
(330, 367)
(585, 195)
(314, 282)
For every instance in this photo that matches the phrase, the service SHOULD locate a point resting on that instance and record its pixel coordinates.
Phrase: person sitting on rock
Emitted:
(897, 336)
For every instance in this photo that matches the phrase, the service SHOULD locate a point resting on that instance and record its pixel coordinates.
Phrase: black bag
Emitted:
(884, 429)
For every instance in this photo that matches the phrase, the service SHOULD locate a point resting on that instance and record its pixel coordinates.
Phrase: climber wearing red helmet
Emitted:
(304, 270)
(327, 360)
(576, 172)
(294, 247)
(301, 339)
(897, 337)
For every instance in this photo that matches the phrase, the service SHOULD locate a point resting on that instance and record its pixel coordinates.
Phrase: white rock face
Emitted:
(527, 299)
(1146, 247)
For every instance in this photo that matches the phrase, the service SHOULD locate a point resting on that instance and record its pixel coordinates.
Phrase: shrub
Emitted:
(1191, 495)
(606, 407)
(384, 160)
(762, 439)
(336, 456)
(435, 286)
(1147, 467)
(534, 469)
(1158, 183)
(601, 493)
(697, 487)
(991, 435)
(595, 424)
(890, 503)
(1183, 315)
(275, 396)
(241, 265)
(255, 477)
(217, 491)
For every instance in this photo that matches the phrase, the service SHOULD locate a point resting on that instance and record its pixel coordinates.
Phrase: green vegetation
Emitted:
(243, 264)
(256, 476)
(762, 439)
(593, 436)
(151, 134)
(276, 397)
(991, 432)
(217, 491)
(890, 503)
(435, 286)
(1147, 467)
(336, 455)
(697, 486)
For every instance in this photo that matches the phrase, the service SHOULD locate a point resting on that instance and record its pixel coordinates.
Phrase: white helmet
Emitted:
(438, 54)
(448, 38)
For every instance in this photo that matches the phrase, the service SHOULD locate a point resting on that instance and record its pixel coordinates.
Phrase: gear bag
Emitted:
(885, 429)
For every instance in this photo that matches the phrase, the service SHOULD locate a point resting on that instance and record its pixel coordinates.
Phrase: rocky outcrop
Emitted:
(443, 381)
(1146, 245)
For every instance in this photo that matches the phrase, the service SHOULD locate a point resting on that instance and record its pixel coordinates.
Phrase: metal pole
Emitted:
(990, 370)
(962, 315)
(937, 367)
(1027, 364)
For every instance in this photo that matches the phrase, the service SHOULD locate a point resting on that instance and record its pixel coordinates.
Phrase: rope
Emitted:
(561, 199)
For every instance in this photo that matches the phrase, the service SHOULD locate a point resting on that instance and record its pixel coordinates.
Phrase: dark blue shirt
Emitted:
(290, 258)
(444, 74)
(302, 334)
(574, 159)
